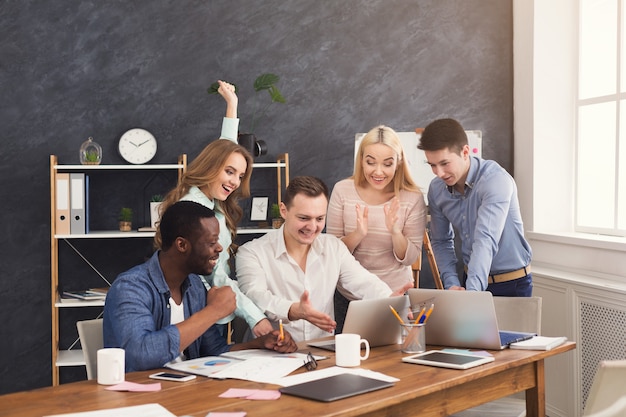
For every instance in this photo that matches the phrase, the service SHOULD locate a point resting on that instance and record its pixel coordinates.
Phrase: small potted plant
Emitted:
(126, 219)
(155, 205)
(277, 219)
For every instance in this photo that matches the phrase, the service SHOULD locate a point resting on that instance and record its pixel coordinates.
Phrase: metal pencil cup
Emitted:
(413, 338)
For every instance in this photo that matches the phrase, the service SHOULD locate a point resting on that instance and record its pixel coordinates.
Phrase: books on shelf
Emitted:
(89, 295)
(540, 343)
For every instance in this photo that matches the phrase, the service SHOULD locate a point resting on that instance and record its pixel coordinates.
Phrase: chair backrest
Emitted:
(617, 409)
(90, 334)
(417, 265)
(607, 388)
(518, 314)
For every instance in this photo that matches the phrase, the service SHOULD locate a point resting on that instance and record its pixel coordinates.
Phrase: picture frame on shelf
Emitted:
(258, 209)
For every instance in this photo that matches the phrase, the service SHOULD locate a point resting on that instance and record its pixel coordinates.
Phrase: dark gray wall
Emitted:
(74, 69)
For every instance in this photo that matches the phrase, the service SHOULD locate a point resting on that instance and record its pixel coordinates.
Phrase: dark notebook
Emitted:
(335, 387)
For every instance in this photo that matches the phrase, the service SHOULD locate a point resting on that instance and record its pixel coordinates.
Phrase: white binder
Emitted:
(62, 221)
(77, 203)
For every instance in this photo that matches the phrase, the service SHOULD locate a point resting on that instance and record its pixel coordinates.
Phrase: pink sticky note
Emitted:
(264, 394)
(237, 393)
(134, 387)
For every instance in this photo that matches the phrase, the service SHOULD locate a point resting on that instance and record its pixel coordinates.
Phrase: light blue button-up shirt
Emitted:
(489, 223)
(246, 309)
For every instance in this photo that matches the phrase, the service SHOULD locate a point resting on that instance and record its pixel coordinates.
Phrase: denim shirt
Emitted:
(488, 219)
(137, 318)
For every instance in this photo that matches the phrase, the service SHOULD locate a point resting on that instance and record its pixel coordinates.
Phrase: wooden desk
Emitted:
(422, 390)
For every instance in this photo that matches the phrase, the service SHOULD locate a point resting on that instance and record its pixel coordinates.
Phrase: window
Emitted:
(601, 118)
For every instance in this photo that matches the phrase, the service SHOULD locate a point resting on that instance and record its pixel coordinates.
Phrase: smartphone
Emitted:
(170, 376)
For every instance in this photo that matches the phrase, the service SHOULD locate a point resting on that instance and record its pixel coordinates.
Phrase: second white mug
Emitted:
(111, 366)
(348, 349)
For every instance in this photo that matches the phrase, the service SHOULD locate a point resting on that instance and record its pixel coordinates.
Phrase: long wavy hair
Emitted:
(204, 170)
(402, 179)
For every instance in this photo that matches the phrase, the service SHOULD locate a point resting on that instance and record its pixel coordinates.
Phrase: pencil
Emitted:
(395, 313)
(427, 315)
(419, 316)
(281, 336)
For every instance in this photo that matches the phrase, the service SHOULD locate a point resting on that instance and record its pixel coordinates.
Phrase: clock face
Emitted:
(137, 146)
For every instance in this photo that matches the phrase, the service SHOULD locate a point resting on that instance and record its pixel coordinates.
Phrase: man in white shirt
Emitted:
(291, 273)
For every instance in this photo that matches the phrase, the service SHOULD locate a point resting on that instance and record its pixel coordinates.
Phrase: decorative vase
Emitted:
(154, 213)
(90, 152)
(126, 226)
(276, 223)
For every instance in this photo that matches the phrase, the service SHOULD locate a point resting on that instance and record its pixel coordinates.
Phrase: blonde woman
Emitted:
(379, 213)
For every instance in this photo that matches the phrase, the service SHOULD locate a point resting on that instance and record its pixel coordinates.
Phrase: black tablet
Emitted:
(335, 387)
(445, 359)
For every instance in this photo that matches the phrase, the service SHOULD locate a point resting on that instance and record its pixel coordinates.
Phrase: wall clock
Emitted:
(137, 146)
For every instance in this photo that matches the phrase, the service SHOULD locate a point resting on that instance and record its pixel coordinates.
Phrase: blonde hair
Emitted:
(204, 170)
(385, 135)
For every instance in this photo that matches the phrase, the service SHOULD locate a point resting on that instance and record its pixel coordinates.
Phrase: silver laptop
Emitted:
(464, 319)
(372, 320)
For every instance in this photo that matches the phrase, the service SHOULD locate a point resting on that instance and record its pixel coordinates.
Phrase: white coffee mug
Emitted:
(110, 366)
(348, 349)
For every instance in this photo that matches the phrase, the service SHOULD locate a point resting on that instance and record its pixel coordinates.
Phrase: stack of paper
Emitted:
(539, 343)
(251, 365)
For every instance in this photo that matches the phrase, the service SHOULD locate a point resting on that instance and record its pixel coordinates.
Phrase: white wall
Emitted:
(545, 66)
(544, 131)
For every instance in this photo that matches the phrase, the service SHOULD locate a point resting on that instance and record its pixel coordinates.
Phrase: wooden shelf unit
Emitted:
(74, 357)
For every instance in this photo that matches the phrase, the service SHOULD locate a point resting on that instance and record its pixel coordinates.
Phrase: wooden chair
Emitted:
(417, 265)
(608, 391)
(91, 339)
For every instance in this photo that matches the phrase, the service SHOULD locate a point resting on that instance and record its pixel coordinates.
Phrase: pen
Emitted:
(281, 336)
(427, 315)
(419, 316)
(395, 313)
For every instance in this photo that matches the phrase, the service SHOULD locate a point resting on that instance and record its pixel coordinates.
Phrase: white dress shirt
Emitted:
(271, 278)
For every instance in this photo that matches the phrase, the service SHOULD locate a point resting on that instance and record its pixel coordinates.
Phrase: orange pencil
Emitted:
(281, 336)
(395, 313)
(419, 316)
(427, 315)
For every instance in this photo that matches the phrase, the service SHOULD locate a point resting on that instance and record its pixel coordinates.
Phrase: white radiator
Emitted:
(602, 336)
(590, 311)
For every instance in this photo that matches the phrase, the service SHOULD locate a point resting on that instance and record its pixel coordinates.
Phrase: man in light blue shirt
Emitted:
(477, 199)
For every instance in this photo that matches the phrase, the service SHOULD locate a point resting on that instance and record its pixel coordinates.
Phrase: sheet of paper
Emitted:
(326, 372)
(264, 353)
(261, 369)
(468, 352)
(135, 387)
(205, 366)
(145, 410)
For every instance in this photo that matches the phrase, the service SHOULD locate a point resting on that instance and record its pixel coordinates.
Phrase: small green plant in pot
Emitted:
(155, 210)
(126, 219)
(277, 219)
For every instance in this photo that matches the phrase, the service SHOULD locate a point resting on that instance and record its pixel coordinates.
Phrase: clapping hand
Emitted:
(391, 216)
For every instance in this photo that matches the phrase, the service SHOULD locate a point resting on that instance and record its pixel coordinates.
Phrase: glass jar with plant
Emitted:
(90, 152)
(126, 219)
